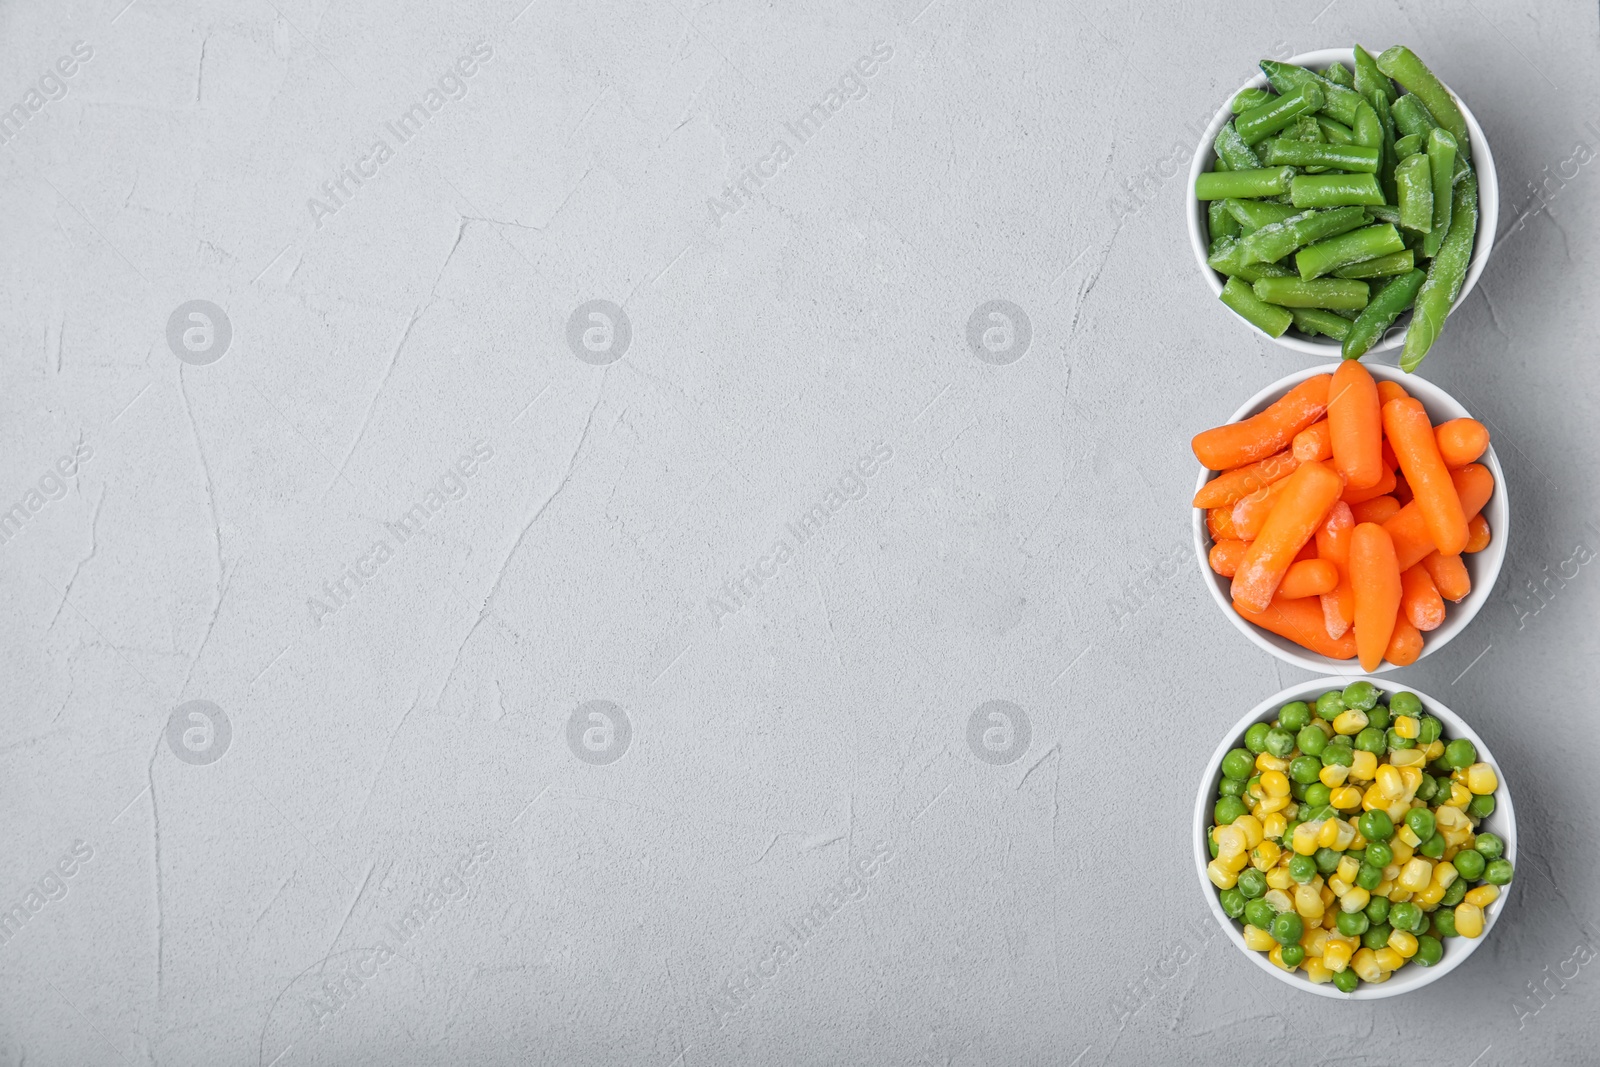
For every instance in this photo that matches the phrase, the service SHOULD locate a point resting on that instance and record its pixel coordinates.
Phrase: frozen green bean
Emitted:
(1386, 306)
(1316, 320)
(1402, 64)
(1279, 150)
(1231, 149)
(1219, 223)
(1267, 181)
(1275, 240)
(1249, 98)
(1340, 103)
(1254, 272)
(1263, 316)
(1411, 117)
(1334, 190)
(1334, 294)
(1367, 130)
(1335, 132)
(1441, 162)
(1414, 179)
(1369, 242)
(1409, 145)
(1254, 214)
(1380, 266)
(1370, 81)
(1339, 74)
(1266, 119)
(1446, 274)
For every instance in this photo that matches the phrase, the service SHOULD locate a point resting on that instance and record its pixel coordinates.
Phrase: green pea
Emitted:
(1377, 935)
(1337, 756)
(1469, 864)
(1255, 738)
(1361, 695)
(1357, 854)
(1238, 763)
(1368, 876)
(1327, 860)
(1371, 740)
(1293, 955)
(1288, 830)
(1405, 916)
(1460, 753)
(1252, 883)
(1375, 825)
(1428, 788)
(1211, 841)
(1453, 895)
(1431, 729)
(1378, 909)
(1280, 742)
(1231, 787)
(1259, 913)
(1287, 928)
(1232, 902)
(1405, 703)
(1302, 869)
(1227, 810)
(1498, 872)
(1490, 846)
(1379, 717)
(1433, 847)
(1317, 794)
(1311, 740)
(1304, 769)
(1342, 739)
(1379, 854)
(1396, 741)
(1444, 922)
(1297, 788)
(1330, 704)
(1421, 822)
(1294, 715)
(1345, 981)
(1352, 923)
(1313, 814)
(1429, 951)
(1481, 807)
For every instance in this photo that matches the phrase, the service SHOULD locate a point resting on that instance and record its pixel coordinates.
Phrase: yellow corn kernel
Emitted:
(1460, 795)
(1434, 750)
(1388, 959)
(1265, 855)
(1483, 896)
(1252, 829)
(1445, 874)
(1350, 722)
(1339, 885)
(1266, 761)
(1457, 836)
(1348, 866)
(1274, 783)
(1279, 878)
(1363, 765)
(1270, 805)
(1336, 955)
(1312, 922)
(1230, 840)
(1308, 902)
(1329, 833)
(1385, 887)
(1305, 838)
(1358, 841)
(1407, 727)
(1411, 776)
(1365, 964)
(1431, 895)
(1448, 818)
(1220, 876)
(1415, 875)
(1353, 899)
(1389, 782)
(1469, 919)
(1328, 895)
(1257, 939)
(1345, 798)
(1408, 757)
(1273, 825)
(1374, 798)
(1346, 837)
(1279, 899)
(1397, 810)
(1481, 779)
(1276, 956)
(1316, 972)
(1402, 852)
(1314, 942)
(1399, 896)
(1403, 942)
(1405, 834)
(1333, 775)
(1234, 862)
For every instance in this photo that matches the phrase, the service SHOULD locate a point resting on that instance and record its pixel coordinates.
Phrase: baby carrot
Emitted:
(1375, 577)
(1385, 485)
(1242, 481)
(1300, 622)
(1312, 443)
(1449, 575)
(1251, 512)
(1474, 484)
(1225, 557)
(1225, 447)
(1405, 645)
(1420, 601)
(1461, 441)
(1302, 504)
(1402, 491)
(1388, 391)
(1308, 577)
(1411, 436)
(1380, 509)
(1355, 425)
(1333, 545)
(1478, 534)
(1219, 524)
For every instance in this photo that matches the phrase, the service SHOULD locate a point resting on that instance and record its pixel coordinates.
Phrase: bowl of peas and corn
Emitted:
(1386, 213)
(1354, 842)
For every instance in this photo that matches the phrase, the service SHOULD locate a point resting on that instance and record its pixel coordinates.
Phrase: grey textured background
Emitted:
(1026, 540)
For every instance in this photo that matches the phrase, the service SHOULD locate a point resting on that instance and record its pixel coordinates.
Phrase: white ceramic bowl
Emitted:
(1503, 821)
(1488, 205)
(1483, 567)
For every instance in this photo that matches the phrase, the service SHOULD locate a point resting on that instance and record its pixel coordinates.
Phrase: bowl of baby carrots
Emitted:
(1350, 512)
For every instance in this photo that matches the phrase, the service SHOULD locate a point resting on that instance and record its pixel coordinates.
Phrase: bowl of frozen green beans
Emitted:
(1344, 202)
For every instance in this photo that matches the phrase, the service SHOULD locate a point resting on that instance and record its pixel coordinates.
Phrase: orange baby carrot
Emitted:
(1313, 443)
(1308, 577)
(1411, 436)
(1388, 391)
(1375, 577)
(1380, 509)
(1225, 447)
(1250, 512)
(1300, 622)
(1450, 575)
(1461, 441)
(1307, 551)
(1402, 491)
(1333, 545)
(1355, 425)
(1388, 456)
(1219, 523)
(1474, 485)
(1240, 482)
(1478, 534)
(1405, 645)
(1420, 601)
(1302, 504)
(1383, 487)
(1225, 557)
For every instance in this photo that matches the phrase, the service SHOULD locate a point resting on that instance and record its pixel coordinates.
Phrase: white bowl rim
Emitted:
(1503, 822)
(1482, 162)
(1484, 566)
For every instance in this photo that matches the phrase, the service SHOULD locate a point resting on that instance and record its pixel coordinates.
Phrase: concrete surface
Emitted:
(540, 723)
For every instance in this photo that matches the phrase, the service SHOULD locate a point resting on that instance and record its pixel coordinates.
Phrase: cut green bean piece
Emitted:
(1414, 179)
(1411, 117)
(1402, 64)
(1446, 273)
(1367, 130)
(1219, 223)
(1441, 161)
(1249, 98)
(1356, 158)
(1371, 81)
(1267, 119)
(1380, 266)
(1330, 293)
(1380, 313)
(1380, 104)
(1334, 190)
(1267, 181)
(1274, 241)
(1385, 213)
(1369, 242)
(1254, 214)
(1339, 74)
(1242, 299)
(1316, 320)
(1335, 132)
(1409, 145)
(1254, 272)
(1340, 103)
(1231, 148)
